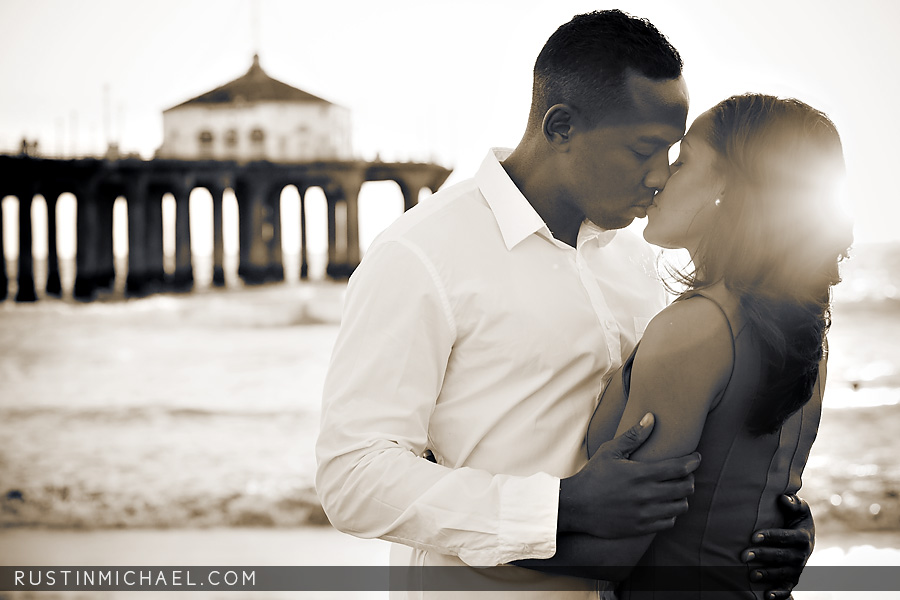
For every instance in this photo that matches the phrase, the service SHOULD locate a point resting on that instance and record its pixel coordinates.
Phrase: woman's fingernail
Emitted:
(759, 537)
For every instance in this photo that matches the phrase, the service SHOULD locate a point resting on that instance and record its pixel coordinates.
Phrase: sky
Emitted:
(433, 81)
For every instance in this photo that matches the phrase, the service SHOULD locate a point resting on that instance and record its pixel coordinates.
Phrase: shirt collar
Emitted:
(590, 233)
(515, 216)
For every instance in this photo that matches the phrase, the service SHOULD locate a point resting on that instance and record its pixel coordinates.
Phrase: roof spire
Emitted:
(254, 31)
(255, 71)
(253, 86)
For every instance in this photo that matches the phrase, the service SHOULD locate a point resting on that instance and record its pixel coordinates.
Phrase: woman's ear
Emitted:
(557, 126)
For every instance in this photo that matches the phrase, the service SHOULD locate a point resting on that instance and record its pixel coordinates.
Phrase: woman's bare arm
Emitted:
(680, 368)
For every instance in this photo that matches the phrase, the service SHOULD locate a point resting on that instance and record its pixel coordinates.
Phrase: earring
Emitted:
(718, 202)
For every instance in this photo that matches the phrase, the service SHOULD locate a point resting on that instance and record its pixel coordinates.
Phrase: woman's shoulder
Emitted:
(696, 332)
(681, 368)
(699, 318)
(728, 303)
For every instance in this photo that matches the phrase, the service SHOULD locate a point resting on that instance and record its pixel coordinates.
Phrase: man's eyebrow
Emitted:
(657, 140)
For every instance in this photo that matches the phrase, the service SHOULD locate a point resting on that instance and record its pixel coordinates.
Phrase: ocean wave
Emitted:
(146, 414)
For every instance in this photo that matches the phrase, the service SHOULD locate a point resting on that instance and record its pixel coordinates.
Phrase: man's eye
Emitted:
(641, 155)
(676, 165)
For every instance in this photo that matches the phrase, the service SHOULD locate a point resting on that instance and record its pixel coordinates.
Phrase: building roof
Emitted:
(254, 86)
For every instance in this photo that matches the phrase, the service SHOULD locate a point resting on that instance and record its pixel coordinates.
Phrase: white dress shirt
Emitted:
(470, 331)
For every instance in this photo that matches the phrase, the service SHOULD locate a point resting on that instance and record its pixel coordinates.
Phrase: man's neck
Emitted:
(535, 179)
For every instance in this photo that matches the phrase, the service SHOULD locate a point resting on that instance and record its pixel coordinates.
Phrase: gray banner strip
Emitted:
(359, 578)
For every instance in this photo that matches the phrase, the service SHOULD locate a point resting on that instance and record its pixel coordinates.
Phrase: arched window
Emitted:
(257, 136)
(206, 143)
(231, 138)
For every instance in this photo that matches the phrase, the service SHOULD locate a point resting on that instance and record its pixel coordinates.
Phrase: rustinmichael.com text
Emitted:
(72, 579)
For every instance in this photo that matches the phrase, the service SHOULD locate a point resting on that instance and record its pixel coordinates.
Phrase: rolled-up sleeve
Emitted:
(385, 377)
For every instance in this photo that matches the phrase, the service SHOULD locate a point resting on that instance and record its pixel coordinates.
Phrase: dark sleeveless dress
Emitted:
(737, 486)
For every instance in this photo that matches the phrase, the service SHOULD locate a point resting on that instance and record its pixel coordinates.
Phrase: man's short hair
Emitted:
(586, 61)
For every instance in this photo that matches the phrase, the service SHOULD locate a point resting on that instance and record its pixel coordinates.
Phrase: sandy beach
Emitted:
(180, 429)
(201, 410)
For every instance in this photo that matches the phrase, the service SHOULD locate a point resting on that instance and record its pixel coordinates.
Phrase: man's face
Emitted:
(614, 168)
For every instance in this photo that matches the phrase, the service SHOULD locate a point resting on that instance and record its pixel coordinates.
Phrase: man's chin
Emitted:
(621, 224)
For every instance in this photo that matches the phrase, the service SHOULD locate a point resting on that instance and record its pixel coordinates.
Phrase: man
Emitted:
(481, 324)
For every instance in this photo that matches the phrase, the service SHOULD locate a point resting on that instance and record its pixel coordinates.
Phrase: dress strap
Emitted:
(629, 363)
(728, 317)
(625, 373)
(626, 370)
(731, 330)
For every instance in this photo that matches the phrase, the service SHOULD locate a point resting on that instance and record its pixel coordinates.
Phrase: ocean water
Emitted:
(201, 410)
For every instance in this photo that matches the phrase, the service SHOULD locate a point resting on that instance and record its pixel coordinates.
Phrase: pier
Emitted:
(97, 183)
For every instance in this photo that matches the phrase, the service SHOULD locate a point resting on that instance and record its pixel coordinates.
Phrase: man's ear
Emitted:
(557, 126)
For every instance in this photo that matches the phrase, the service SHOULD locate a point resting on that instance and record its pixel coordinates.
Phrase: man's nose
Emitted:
(659, 173)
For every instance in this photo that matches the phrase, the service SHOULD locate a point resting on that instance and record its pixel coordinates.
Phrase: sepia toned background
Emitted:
(179, 428)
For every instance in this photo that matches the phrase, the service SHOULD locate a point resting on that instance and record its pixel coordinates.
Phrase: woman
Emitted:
(735, 367)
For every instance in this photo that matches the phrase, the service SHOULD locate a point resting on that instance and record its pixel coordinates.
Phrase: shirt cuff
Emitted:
(529, 509)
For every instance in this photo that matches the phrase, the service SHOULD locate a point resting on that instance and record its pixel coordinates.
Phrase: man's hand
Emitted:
(614, 497)
(779, 555)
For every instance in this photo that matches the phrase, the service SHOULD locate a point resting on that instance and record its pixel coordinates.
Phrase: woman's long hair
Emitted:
(778, 237)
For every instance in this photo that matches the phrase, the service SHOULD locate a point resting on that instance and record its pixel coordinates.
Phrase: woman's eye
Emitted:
(641, 155)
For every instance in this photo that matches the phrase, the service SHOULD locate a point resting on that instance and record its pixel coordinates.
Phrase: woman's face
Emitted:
(685, 209)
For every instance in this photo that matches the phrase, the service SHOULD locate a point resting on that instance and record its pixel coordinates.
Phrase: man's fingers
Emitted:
(782, 537)
(656, 526)
(624, 445)
(661, 516)
(784, 556)
(778, 595)
(672, 469)
(794, 507)
(780, 577)
(671, 490)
